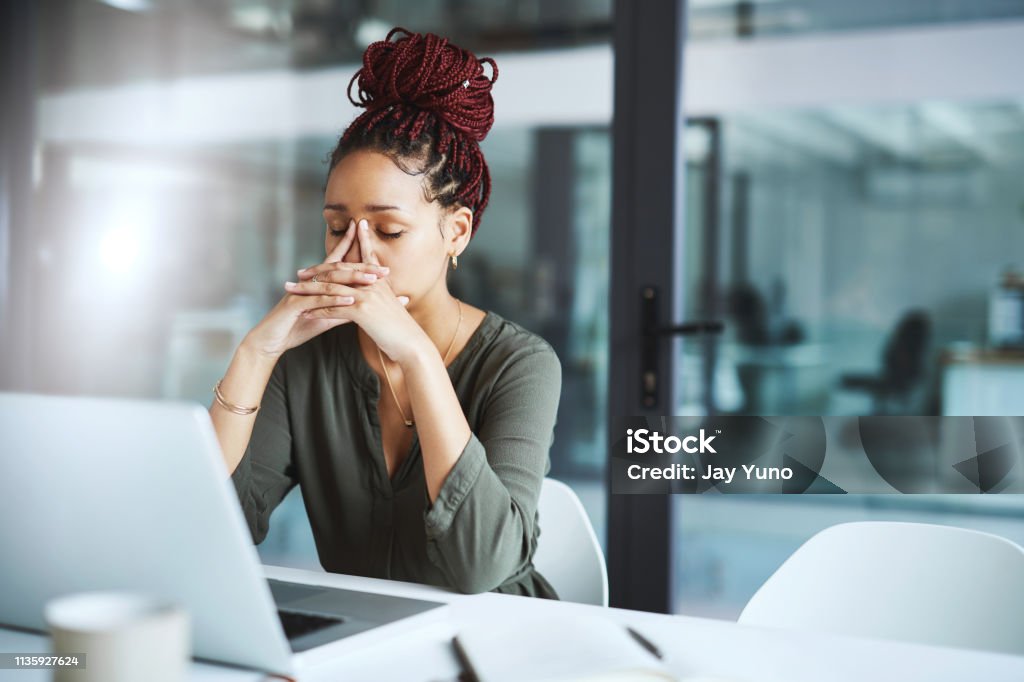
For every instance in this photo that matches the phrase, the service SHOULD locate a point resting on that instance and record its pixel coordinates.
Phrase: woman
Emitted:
(417, 426)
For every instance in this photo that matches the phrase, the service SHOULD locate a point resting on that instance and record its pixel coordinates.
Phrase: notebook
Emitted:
(551, 649)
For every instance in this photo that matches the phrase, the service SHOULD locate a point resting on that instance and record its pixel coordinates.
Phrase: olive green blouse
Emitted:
(318, 427)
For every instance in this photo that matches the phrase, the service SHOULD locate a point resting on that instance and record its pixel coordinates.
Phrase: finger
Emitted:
(335, 306)
(320, 288)
(307, 303)
(335, 272)
(342, 247)
(339, 312)
(364, 243)
(340, 286)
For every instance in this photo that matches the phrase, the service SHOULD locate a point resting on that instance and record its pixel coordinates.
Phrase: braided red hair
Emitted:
(429, 101)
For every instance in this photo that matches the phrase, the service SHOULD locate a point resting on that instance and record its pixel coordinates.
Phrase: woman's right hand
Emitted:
(286, 327)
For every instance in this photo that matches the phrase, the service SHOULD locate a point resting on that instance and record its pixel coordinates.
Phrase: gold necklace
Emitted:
(410, 422)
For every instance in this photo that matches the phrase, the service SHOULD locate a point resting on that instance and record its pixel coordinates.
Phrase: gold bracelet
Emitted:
(237, 409)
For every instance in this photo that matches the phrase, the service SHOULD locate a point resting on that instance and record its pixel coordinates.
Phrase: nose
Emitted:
(353, 255)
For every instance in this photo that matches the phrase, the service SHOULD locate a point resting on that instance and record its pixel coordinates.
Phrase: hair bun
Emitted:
(428, 73)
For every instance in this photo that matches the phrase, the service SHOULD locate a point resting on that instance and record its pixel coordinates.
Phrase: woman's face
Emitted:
(410, 235)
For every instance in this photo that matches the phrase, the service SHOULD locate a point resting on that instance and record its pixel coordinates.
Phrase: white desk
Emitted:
(982, 382)
(693, 646)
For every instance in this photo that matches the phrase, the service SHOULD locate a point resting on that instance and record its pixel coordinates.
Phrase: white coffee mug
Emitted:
(125, 636)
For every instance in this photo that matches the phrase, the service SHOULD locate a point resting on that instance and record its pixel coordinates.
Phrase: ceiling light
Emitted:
(130, 5)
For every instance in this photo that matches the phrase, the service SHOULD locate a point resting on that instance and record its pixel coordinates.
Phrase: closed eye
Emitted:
(382, 233)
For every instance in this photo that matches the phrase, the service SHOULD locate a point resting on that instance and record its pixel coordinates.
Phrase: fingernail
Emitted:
(303, 270)
(384, 269)
(289, 285)
(368, 276)
(403, 299)
(351, 223)
(363, 225)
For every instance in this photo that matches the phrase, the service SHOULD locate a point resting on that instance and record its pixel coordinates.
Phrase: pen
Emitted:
(468, 674)
(645, 643)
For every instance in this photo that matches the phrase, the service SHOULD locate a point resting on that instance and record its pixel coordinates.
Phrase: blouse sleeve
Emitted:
(266, 472)
(480, 529)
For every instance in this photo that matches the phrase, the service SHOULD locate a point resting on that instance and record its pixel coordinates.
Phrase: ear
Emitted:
(460, 224)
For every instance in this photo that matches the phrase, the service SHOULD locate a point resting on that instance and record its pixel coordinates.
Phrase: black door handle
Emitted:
(652, 331)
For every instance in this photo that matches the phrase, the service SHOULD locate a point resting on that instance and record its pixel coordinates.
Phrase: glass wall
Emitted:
(724, 19)
(862, 256)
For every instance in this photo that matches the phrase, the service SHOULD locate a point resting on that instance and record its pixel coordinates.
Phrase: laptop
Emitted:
(100, 493)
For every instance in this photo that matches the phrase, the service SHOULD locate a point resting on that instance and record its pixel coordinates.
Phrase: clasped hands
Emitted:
(361, 293)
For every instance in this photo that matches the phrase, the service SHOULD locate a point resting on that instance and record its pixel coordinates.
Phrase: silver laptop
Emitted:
(102, 493)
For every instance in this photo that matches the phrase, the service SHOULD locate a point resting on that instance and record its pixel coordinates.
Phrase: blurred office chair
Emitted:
(913, 582)
(903, 366)
(568, 554)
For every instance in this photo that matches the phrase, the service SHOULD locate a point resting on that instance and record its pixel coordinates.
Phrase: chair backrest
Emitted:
(568, 554)
(907, 581)
(904, 355)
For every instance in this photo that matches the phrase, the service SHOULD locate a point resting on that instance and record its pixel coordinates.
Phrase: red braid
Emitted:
(423, 88)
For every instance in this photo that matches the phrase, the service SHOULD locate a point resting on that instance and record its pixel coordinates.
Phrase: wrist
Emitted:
(252, 355)
(241, 388)
(417, 353)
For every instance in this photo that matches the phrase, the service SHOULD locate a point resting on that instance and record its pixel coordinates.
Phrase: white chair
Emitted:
(568, 554)
(906, 581)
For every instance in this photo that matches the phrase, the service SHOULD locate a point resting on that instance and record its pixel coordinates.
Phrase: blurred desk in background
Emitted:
(980, 382)
(781, 379)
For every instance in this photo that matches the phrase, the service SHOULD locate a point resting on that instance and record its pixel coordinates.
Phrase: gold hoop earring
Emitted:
(455, 262)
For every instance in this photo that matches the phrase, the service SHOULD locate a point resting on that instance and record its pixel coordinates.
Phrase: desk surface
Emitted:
(693, 646)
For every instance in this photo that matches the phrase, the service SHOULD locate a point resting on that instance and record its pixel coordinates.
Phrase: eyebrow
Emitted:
(369, 208)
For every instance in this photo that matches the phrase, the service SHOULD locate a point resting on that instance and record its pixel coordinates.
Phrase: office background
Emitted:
(853, 205)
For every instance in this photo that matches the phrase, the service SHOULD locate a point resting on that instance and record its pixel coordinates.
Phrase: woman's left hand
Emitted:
(377, 309)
